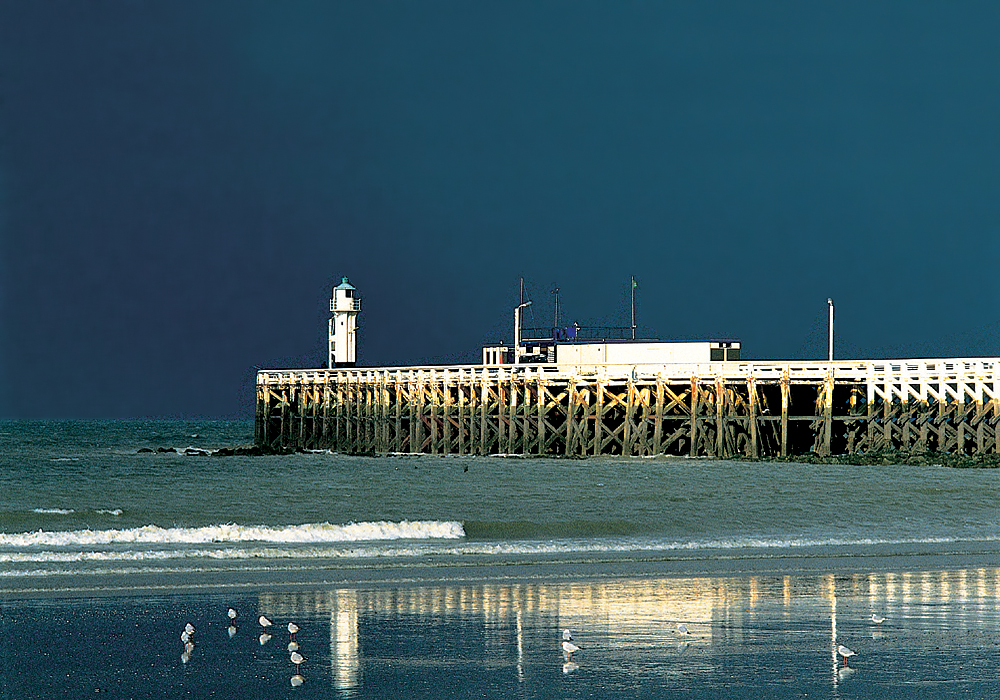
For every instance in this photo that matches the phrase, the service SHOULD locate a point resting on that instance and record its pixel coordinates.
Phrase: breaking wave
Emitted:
(310, 533)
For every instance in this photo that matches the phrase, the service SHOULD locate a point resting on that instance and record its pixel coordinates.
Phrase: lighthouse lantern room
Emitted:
(344, 305)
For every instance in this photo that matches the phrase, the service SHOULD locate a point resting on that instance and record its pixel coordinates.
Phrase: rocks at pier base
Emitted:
(875, 458)
(887, 457)
(240, 451)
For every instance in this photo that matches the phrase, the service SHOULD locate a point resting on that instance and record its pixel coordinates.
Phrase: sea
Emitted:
(459, 576)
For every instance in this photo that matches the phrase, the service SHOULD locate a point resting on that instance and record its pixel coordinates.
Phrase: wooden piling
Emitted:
(716, 409)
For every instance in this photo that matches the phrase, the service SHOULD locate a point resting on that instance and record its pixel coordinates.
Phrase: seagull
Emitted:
(296, 658)
(264, 622)
(292, 629)
(569, 648)
(232, 616)
(297, 680)
(845, 652)
(877, 619)
(681, 629)
(293, 646)
(264, 638)
(189, 628)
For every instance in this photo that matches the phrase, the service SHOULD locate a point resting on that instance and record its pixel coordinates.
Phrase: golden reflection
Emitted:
(891, 586)
(944, 585)
(830, 590)
(522, 622)
(873, 588)
(926, 586)
(344, 661)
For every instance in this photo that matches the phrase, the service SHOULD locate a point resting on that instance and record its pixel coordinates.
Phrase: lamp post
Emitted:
(632, 289)
(517, 330)
(829, 303)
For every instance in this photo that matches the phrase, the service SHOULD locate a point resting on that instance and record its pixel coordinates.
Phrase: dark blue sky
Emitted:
(182, 183)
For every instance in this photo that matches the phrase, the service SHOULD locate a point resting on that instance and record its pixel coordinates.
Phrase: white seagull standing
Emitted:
(682, 629)
(877, 619)
(296, 658)
(568, 647)
(187, 638)
(845, 652)
(264, 622)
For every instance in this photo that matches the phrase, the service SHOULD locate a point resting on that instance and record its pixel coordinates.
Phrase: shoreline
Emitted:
(845, 560)
(874, 458)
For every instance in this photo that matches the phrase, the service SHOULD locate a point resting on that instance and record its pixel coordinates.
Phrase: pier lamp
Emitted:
(517, 330)
(829, 303)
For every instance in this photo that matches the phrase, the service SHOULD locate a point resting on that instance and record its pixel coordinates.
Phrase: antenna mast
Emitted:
(633, 286)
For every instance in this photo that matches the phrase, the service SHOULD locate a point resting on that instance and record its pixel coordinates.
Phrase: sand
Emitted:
(475, 631)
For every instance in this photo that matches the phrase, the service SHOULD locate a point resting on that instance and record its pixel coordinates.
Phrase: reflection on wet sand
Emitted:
(636, 621)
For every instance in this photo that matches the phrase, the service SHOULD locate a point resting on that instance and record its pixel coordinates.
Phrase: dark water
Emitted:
(80, 498)
(421, 576)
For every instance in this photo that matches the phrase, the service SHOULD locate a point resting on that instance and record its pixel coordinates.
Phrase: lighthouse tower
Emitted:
(344, 306)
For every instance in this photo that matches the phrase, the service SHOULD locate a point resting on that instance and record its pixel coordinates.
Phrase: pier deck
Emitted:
(720, 409)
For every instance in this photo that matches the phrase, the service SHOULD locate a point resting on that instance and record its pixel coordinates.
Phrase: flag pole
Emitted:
(633, 307)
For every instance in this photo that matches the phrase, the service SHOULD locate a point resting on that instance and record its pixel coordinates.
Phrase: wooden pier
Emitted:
(722, 409)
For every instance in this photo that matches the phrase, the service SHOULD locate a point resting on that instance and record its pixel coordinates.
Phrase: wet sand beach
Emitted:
(763, 634)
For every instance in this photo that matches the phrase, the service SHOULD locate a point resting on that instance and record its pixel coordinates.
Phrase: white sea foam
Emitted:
(300, 550)
(314, 533)
(70, 511)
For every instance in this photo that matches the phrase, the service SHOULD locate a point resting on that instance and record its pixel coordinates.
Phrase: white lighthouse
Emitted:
(344, 306)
